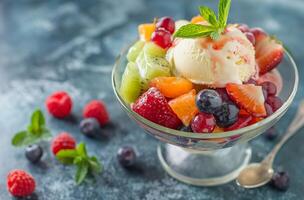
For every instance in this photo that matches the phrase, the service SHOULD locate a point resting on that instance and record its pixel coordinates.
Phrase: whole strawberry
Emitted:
(96, 109)
(59, 104)
(20, 183)
(62, 141)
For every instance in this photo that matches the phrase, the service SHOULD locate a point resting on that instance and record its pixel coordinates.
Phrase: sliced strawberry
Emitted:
(153, 106)
(269, 53)
(248, 97)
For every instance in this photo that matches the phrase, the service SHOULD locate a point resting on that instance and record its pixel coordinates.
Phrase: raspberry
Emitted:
(96, 109)
(59, 104)
(62, 141)
(153, 106)
(20, 183)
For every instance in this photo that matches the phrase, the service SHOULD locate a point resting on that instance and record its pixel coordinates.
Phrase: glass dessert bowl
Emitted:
(205, 157)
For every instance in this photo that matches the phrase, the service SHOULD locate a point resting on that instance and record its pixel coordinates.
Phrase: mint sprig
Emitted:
(85, 164)
(217, 24)
(36, 131)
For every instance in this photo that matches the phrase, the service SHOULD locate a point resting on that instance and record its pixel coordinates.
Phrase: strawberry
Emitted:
(248, 97)
(20, 183)
(62, 141)
(153, 106)
(269, 53)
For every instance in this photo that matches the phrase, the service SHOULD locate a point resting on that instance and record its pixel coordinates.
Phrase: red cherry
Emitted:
(258, 33)
(166, 23)
(269, 110)
(270, 88)
(274, 102)
(162, 38)
(250, 37)
(251, 81)
(243, 27)
(203, 123)
(240, 123)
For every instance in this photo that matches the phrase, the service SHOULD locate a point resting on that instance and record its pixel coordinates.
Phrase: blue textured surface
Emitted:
(71, 45)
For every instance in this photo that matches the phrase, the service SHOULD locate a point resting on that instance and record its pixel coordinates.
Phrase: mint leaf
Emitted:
(36, 131)
(215, 35)
(19, 138)
(208, 15)
(194, 30)
(223, 12)
(82, 171)
(81, 149)
(37, 122)
(67, 156)
(95, 165)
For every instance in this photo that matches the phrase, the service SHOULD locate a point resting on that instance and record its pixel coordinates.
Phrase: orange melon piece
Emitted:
(184, 107)
(145, 31)
(218, 130)
(197, 19)
(172, 87)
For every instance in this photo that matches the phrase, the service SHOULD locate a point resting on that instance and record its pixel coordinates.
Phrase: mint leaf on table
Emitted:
(82, 171)
(85, 164)
(36, 131)
(216, 24)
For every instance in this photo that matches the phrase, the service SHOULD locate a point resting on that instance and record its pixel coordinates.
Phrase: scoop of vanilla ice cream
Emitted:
(230, 59)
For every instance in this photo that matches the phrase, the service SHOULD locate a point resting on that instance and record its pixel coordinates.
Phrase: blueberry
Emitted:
(33, 153)
(90, 127)
(208, 101)
(126, 156)
(226, 115)
(186, 129)
(280, 180)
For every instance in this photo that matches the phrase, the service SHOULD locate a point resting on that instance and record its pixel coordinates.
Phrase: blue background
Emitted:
(71, 45)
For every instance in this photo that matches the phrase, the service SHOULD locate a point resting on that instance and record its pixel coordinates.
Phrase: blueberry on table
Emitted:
(90, 127)
(208, 101)
(226, 115)
(280, 180)
(33, 153)
(126, 156)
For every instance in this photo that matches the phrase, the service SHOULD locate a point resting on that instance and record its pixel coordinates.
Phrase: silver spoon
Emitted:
(258, 174)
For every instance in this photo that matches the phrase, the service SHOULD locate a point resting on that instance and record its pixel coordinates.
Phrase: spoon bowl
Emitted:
(254, 175)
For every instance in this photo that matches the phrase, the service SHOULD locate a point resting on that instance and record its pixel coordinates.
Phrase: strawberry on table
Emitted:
(248, 97)
(269, 53)
(153, 106)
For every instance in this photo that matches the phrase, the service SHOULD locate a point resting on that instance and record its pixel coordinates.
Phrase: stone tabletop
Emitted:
(71, 45)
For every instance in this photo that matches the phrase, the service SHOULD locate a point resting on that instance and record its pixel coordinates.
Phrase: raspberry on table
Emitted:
(97, 109)
(59, 104)
(20, 183)
(62, 141)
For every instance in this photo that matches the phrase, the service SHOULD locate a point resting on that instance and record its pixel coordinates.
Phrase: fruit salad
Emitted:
(203, 75)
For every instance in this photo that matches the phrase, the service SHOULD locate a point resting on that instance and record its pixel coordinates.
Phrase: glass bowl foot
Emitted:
(204, 168)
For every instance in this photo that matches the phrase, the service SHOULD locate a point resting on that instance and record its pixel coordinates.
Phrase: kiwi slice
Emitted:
(151, 67)
(135, 50)
(154, 50)
(131, 83)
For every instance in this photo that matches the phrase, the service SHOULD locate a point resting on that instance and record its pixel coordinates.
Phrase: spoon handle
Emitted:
(295, 125)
